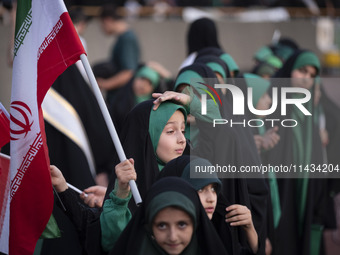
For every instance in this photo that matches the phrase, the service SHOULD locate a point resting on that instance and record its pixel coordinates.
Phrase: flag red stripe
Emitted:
(56, 57)
(4, 129)
(23, 237)
(4, 188)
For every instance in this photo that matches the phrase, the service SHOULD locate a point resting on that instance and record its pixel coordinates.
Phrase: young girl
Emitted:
(223, 144)
(222, 213)
(171, 220)
(150, 138)
(301, 199)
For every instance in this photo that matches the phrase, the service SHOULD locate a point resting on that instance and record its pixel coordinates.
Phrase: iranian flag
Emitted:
(46, 43)
(4, 126)
(4, 177)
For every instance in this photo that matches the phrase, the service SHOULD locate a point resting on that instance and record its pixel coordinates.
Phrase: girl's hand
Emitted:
(125, 172)
(181, 98)
(58, 180)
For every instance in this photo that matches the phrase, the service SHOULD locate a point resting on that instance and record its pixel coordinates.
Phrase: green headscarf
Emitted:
(233, 67)
(274, 61)
(191, 78)
(258, 84)
(150, 74)
(217, 68)
(158, 119)
(170, 198)
(263, 53)
(307, 58)
(161, 201)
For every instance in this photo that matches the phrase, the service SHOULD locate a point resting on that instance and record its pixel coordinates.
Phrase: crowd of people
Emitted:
(165, 135)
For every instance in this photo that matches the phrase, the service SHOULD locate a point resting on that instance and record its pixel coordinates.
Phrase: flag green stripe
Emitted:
(23, 22)
(23, 7)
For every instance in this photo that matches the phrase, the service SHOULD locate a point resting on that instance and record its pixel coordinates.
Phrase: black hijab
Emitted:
(225, 145)
(137, 235)
(302, 199)
(70, 158)
(202, 33)
(137, 144)
(215, 63)
(181, 167)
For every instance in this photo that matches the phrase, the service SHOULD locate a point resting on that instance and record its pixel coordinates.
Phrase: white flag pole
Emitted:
(109, 123)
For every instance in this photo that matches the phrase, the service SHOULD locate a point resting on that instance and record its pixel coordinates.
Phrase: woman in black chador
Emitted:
(299, 230)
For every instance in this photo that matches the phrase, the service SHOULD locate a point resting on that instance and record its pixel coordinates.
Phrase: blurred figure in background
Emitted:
(125, 53)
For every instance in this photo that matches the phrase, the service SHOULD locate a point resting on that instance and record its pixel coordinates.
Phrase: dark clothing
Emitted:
(125, 56)
(69, 157)
(137, 236)
(301, 200)
(181, 167)
(137, 144)
(202, 33)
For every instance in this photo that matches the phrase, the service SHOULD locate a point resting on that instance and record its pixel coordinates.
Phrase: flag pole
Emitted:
(109, 123)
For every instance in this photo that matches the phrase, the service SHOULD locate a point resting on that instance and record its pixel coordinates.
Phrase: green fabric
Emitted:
(263, 53)
(315, 239)
(217, 69)
(307, 58)
(199, 183)
(140, 99)
(38, 247)
(167, 199)
(158, 120)
(233, 67)
(275, 198)
(187, 77)
(274, 62)
(21, 14)
(114, 218)
(302, 152)
(258, 84)
(51, 230)
(149, 74)
(194, 108)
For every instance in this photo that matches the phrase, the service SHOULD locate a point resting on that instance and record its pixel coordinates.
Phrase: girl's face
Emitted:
(172, 229)
(172, 142)
(208, 199)
(304, 77)
(142, 86)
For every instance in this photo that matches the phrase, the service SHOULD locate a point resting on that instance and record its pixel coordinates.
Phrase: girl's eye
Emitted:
(182, 224)
(170, 132)
(200, 190)
(183, 132)
(161, 226)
